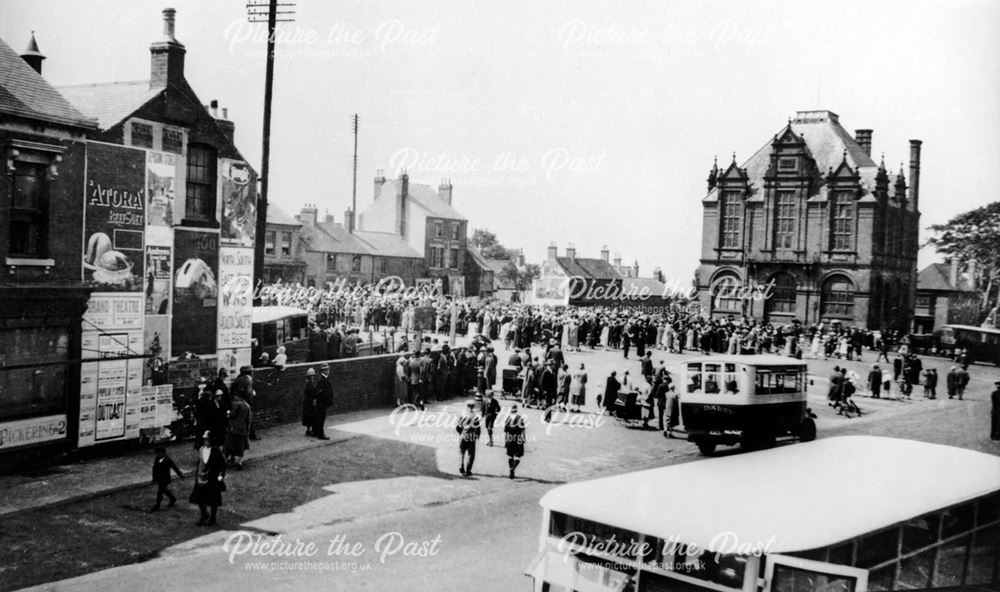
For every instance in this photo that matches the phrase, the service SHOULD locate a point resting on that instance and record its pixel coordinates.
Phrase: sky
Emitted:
(585, 122)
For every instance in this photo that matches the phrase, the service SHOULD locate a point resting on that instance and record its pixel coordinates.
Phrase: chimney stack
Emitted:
(973, 284)
(618, 260)
(635, 268)
(605, 253)
(379, 182)
(864, 139)
(552, 252)
(571, 251)
(308, 215)
(348, 219)
(444, 190)
(953, 276)
(915, 173)
(167, 63)
(228, 127)
(32, 56)
(520, 257)
(329, 218)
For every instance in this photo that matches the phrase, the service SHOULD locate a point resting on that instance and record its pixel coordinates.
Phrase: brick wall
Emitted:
(358, 383)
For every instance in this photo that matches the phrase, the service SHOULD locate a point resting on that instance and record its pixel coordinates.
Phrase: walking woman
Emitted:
(578, 390)
(209, 481)
(238, 432)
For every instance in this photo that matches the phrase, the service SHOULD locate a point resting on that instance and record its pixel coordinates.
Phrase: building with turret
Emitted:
(811, 229)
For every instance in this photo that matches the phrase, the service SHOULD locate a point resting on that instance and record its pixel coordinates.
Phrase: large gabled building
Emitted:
(426, 221)
(811, 229)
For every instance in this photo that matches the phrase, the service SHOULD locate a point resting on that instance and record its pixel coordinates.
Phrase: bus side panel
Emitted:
(775, 418)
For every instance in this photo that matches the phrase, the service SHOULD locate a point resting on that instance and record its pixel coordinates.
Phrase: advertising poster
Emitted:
(112, 382)
(112, 327)
(196, 292)
(133, 404)
(235, 297)
(161, 188)
(147, 407)
(32, 431)
(158, 273)
(107, 311)
(165, 413)
(114, 217)
(156, 345)
(239, 203)
(232, 360)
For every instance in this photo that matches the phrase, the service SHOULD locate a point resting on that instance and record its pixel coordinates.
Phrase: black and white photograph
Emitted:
(590, 296)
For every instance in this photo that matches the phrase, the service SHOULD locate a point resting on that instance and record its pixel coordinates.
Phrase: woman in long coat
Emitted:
(238, 431)
(209, 481)
(578, 390)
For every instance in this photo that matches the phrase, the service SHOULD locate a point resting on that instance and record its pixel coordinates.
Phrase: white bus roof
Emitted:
(761, 360)
(972, 328)
(264, 314)
(801, 496)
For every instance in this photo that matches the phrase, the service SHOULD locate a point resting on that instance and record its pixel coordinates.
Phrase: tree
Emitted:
(482, 238)
(520, 278)
(488, 245)
(974, 235)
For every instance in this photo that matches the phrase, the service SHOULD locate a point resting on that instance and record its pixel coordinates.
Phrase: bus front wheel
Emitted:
(706, 447)
(807, 431)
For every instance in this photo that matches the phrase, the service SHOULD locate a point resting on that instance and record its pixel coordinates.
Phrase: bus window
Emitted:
(711, 378)
(794, 579)
(694, 377)
(269, 335)
(983, 555)
(729, 380)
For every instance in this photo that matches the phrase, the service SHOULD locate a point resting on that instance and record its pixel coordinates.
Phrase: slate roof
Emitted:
(276, 215)
(826, 140)
(478, 259)
(937, 276)
(110, 102)
(331, 237)
(25, 93)
(387, 244)
(596, 269)
(426, 197)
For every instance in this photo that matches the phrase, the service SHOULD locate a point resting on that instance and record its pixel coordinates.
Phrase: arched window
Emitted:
(837, 299)
(726, 294)
(782, 297)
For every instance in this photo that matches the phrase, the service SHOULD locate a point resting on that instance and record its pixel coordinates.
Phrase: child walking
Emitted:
(162, 465)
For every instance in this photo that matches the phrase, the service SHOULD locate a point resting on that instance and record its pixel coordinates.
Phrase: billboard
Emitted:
(158, 275)
(239, 207)
(114, 217)
(196, 292)
(161, 188)
(235, 297)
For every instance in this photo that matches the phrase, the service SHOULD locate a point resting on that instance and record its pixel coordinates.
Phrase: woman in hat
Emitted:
(578, 390)
(209, 480)
(238, 430)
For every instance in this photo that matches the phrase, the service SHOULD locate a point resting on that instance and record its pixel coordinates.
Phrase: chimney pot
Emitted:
(225, 113)
(167, 55)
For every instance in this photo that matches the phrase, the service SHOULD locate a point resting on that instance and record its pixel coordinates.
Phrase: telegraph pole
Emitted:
(354, 190)
(256, 13)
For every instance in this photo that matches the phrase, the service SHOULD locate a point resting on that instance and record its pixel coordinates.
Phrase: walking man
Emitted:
(490, 410)
(514, 435)
(163, 465)
(469, 430)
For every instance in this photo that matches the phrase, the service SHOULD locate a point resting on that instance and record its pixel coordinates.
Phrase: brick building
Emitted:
(129, 220)
(945, 297)
(813, 227)
(426, 221)
(332, 253)
(42, 140)
(284, 251)
(578, 281)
